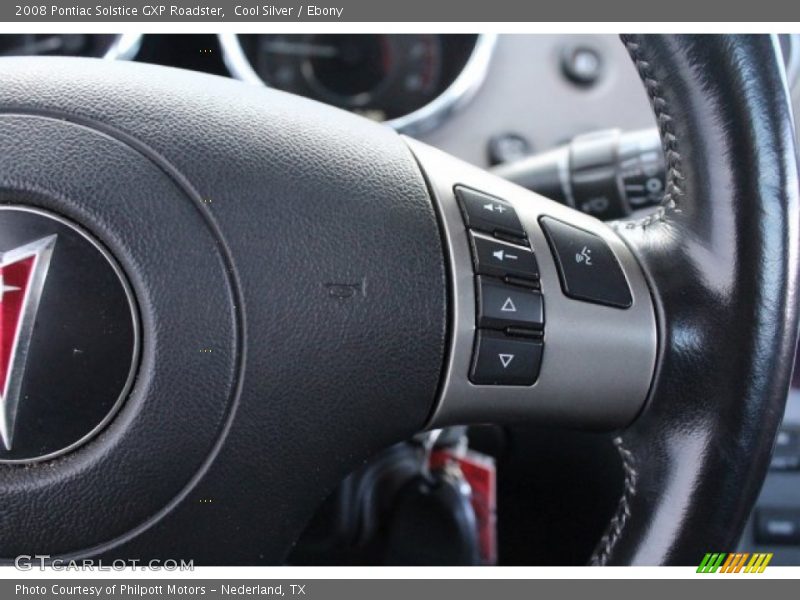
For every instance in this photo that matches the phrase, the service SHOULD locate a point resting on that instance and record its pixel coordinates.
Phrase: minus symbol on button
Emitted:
(502, 254)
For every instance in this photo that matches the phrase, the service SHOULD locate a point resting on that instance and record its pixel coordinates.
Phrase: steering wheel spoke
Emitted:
(551, 316)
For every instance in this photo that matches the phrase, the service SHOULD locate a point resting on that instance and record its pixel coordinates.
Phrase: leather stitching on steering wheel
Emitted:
(623, 512)
(669, 140)
(669, 203)
(672, 193)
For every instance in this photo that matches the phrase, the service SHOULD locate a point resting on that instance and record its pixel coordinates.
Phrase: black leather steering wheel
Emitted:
(304, 293)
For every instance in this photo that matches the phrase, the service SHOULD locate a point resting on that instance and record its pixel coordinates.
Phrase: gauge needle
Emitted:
(43, 46)
(300, 49)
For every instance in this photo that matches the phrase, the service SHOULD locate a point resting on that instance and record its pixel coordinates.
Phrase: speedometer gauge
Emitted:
(381, 76)
(407, 80)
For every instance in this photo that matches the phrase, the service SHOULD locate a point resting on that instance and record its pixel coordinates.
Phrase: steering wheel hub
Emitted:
(132, 359)
(69, 340)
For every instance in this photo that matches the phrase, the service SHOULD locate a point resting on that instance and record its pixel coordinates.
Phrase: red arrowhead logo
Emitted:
(22, 275)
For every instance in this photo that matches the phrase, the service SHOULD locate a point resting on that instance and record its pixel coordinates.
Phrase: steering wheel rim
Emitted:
(327, 324)
(724, 113)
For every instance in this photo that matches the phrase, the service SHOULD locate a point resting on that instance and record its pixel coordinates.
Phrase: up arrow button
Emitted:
(508, 305)
(501, 306)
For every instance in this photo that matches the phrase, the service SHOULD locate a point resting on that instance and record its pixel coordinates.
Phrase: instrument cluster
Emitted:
(411, 81)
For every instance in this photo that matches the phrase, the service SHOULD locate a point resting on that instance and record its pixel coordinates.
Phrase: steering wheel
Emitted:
(219, 299)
